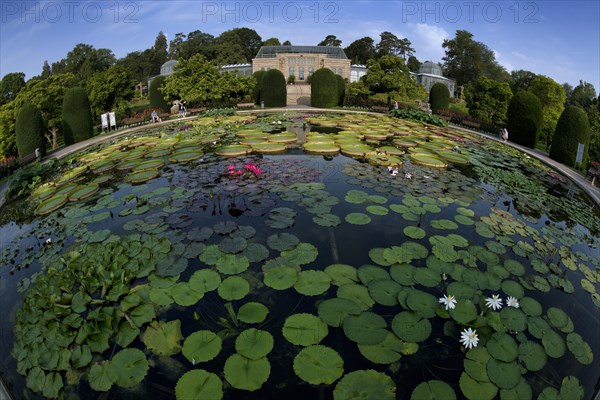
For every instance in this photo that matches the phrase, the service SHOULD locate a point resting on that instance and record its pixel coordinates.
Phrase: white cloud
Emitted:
(427, 41)
(503, 61)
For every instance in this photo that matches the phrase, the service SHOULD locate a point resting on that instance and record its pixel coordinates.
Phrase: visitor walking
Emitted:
(505, 134)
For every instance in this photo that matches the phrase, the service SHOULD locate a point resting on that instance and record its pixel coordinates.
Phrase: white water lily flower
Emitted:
(512, 302)
(408, 175)
(469, 338)
(449, 301)
(48, 241)
(494, 302)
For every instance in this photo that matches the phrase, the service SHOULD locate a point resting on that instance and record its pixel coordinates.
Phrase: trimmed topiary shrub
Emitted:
(572, 128)
(156, 97)
(273, 89)
(77, 123)
(524, 119)
(324, 89)
(341, 88)
(439, 97)
(29, 130)
(258, 75)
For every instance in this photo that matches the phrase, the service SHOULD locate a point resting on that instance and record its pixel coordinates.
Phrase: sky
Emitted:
(559, 39)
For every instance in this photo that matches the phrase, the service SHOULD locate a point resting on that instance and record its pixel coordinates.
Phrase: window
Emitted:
(340, 71)
(301, 73)
(291, 71)
(311, 70)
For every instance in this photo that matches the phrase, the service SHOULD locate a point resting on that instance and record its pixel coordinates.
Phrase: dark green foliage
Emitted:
(258, 75)
(341, 87)
(77, 123)
(324, 89)
(156, 97)
(573, 127)
(439, 97)
(524, 119)
(416, 115)
(30, 130)
(273, 89)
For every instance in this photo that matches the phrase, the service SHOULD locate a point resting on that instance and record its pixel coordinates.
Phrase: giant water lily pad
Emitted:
(427, 160)
(433, 390)
(318, 365)
(163, 338)
(143, 176)
(321, 148)
(201, 346)
(246, 374)
(366, 328)
(83, 192)
(199, 384)
(366, 385)
(254, 343)
(52, 204)
(233, 150)
(304, 329)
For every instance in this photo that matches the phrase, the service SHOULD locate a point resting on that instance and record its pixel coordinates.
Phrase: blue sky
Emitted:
(560, 39)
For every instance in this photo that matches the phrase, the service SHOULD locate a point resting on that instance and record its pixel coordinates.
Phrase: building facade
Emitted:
(302, 61)
(431, 73)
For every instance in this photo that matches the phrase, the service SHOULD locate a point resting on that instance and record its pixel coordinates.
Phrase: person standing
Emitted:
(505, 134)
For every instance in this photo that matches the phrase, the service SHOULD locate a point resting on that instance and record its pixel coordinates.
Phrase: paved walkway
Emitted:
(584, 184)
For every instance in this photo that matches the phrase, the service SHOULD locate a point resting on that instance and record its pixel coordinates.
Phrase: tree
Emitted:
(273, 89)
(272, 42)
(582, 95)
(155, 95)
(391, 45)
(330, 41)
(572, 128)
(413, 64)
(45, 94)
(520, 80)
(10, 86)
(552, 96)
(389, 74)
(466, 60)
(110, 89)
(287, 43)
(568, 91)
(84, 61)
(159, 52)
(77, 123)
(198, 80)
(251, 41)
(139, 64)
(594, 118)
(361, 50)
(229, 49)
(524, 118)
(439, 97)
(488, 100)
(46, 70)
(30, 130)
(324, 89)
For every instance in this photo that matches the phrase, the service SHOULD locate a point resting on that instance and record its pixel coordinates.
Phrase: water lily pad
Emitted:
(532, 355)
(84, 191)
(368, 273)
(502, 374)
(163, 338)
(199, 384)
(366, 328)
(358, 294)
(312, 282)
(233, 288)
(101, 377)
(356, 196)
(513, 288)
(303, 253)
(205, 280)
(520, 392)
(233, 150)
(231, 264)
(201, 346)
(318, 365)
(475, 390)
(410, 327)
(387, 352)
(131, 367)
(281, 277)
(580, 348)
(327, 220)
(52, 204)
(503, 347)
(321, 148)
(559, 319)
(422, 303)
(433, 390)
(282, 241)
(414, 232)
(268, 148)
(252, 313)
(254, 343)
(513, 319)
(476, 362)
(243, 373)
(233, 245)
(334, 311)
(464, 312)
(384, 291)
(304, 329)
(365, 384)
(427, 160)
(358, 219)
(142, 176)
(342, 274)
(553, 344)
(531, 306)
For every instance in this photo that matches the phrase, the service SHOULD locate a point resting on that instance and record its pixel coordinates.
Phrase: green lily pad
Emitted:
(532, 355)
(233, 245)
(387, 352)
(327, 220)
(580, 348)
(304, 329)
(553, 344)
(342, 274)
(366, 328)
(464, 312)
(252, 313)
(433, 390)
(414, 232)
(520, 392)
(356, 196)
(163, 338)
(410, 327)
(312, 282)
(384, 291)
(513, 288)
(422, 303)
(205, 280)
(365, 384)
(559, 319)
(199, 384)
(52, 204)
(531, 306)
(83, 192)
(513, 319)
(427, 160)
(131, 367)
(184, 294)
(358, 219)
(475, 363)
(377, 210)
(243, 373)
(303, 253)
(444, 224)
(201, 346)
(502, 374)
(231, 264)
(282, 241)
(475, 390)
(281, 277)
(101, 377)
(503, 347)
(233, 288)
(142, 176)
(571, 388)
(334, 311)
(357, 293)
(254, 343)
(318, 365)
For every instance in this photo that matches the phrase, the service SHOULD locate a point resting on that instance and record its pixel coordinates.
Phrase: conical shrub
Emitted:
(572, 128)
(273, 90)
(29, 130)
(77, 123)
(324, 89)
(524, 119)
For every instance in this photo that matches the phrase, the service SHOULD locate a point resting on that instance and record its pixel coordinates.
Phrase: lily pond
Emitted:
(301, 256)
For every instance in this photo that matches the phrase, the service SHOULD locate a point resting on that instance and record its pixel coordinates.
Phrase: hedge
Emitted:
(156, 97)
(273, 89)
(29, 130)
(77, 122)
(524, 119)
(572, 128)
(439, 97)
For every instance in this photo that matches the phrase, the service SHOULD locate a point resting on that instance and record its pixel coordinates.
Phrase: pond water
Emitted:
(184, 274)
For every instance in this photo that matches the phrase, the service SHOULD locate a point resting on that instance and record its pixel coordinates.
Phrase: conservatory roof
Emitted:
(331, 52)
